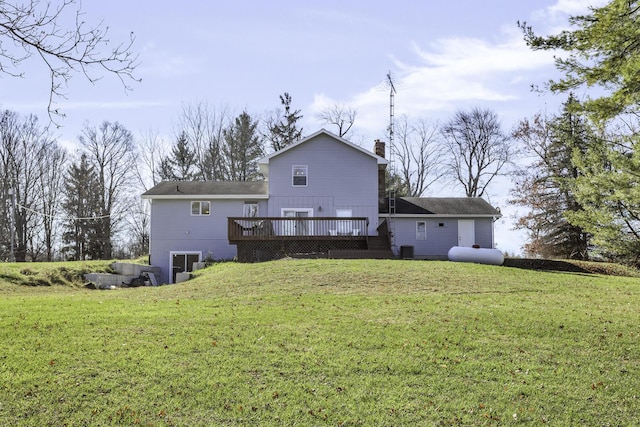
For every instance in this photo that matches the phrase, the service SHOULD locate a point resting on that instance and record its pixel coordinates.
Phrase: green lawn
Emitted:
(326, 342)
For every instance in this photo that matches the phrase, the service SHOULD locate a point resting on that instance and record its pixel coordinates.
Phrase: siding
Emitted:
(439, 239)
(174, 229)
(339, 177)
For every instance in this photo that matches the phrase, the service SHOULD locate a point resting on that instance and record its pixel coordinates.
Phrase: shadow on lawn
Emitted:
(545, 265)
(571, 266)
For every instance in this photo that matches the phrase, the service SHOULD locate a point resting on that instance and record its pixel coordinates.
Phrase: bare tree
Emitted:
(22, 151)
(477, 148)
(150, 150)
(139, 224)
(339, 115)
(203, 127)
(52, 177)
(109, 150)
(419, 151)
(39, 28)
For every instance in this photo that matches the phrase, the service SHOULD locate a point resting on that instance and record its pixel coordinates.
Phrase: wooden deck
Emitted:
(297, 229)
(268, 238)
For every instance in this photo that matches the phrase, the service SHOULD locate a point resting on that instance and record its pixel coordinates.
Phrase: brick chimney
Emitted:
(378, 149)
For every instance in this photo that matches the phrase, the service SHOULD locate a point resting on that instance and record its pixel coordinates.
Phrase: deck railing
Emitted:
(297, 228)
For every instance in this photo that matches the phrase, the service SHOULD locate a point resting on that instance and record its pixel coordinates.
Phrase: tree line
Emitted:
(582, 185)
(85, 204)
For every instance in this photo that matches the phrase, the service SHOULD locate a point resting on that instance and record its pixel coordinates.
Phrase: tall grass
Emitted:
(327, 342)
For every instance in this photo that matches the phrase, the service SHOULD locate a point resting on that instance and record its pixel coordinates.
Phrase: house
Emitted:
(322, 195)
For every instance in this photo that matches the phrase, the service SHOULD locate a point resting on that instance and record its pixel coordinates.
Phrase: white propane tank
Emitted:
(478, 255)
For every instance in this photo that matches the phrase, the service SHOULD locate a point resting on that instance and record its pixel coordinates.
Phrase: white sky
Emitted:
(443, 56)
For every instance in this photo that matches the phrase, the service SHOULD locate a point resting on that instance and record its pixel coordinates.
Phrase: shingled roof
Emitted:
(209, 189)
(450, 206)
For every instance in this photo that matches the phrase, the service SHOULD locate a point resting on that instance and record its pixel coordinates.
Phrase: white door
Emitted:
(297, 227)
(344, 226)
(466, 232)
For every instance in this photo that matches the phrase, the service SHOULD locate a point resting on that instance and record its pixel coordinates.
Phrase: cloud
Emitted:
(452, 72)
(553, 19)
(573, 7)
(164, 64)
(456, 72)
(109, 105)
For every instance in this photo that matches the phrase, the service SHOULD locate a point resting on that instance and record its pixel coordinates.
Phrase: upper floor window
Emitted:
(299, 173)
(421, 230)
(200, 208)
(250, 210)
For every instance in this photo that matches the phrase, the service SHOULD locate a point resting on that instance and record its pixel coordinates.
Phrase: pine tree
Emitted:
(284, 131)
(180, 164)
(242, 149)
(546, 186)
(82, 208)
(609, 191)
(602, 52)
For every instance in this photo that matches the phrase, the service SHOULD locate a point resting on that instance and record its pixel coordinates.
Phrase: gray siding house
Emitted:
(321, 196)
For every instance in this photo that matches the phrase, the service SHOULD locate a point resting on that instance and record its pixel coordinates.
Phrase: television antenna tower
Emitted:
(392, 155)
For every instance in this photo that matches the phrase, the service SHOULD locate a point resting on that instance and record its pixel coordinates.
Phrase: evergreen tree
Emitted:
(395, 183)
(603, 52)
(546, 186)
(180, 164)
(283, 131)
(609, 191)
(82, 208)
(242, 149)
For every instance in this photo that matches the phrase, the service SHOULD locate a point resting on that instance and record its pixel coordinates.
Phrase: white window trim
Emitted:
(421, 235)
(306, 175)
(244, 213)
(171, 255)
(200, 202)
(307, 210)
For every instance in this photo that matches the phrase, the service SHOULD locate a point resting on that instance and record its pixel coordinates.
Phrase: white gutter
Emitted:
(207, 196)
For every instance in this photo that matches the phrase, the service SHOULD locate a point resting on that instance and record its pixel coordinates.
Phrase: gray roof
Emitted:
(213, 189)
(468, 206)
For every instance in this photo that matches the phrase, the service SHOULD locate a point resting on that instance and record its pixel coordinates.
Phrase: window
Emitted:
(299, 173)
(421, 230)
(250, 210)
(200, 208)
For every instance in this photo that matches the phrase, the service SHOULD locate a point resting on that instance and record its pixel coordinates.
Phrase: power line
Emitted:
(68, 218)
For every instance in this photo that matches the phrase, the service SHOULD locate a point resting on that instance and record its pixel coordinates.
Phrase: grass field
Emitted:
(325, 342)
